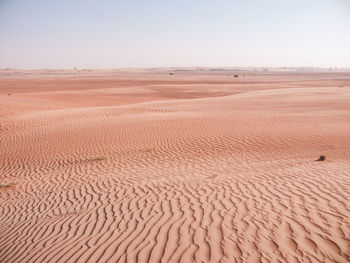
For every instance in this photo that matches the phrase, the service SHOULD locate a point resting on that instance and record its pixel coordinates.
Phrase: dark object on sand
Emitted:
(235, 76)
(321, 158)
(171, 73)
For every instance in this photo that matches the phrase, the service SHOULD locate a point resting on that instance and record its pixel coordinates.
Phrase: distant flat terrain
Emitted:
(174, 166)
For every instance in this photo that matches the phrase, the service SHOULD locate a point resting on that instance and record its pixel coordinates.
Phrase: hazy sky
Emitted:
(155, 33)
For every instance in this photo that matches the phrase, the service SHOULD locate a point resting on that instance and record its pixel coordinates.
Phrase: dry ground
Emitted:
(126, 166)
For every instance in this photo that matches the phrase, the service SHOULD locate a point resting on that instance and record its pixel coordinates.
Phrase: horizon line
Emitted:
(183, 67)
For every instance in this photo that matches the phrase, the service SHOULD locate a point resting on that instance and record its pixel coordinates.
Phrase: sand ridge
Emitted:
(140, 167)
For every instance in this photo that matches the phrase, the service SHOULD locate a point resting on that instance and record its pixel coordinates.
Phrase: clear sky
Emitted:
(157, 33)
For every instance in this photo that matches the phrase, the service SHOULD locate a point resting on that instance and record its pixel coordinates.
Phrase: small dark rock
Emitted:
(321, 158)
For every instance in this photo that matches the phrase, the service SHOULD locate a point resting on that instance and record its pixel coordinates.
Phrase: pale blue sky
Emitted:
(157, 33)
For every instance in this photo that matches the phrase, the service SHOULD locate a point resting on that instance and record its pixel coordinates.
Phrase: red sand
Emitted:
(142, 166)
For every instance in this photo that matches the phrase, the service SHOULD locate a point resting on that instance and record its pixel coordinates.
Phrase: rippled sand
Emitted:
(143, 166)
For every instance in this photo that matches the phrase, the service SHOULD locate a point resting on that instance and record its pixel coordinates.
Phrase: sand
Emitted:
(143, 166)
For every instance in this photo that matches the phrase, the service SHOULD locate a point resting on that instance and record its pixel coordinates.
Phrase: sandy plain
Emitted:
(198, 166)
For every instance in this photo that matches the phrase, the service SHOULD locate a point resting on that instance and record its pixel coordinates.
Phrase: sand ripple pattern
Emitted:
(229, 179)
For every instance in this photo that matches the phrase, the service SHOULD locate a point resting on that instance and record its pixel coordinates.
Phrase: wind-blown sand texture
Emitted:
(143, 166)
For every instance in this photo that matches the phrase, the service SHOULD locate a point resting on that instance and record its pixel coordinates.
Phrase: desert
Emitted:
(172, 165)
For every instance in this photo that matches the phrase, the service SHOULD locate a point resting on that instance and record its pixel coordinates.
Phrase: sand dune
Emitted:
(140, 167)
